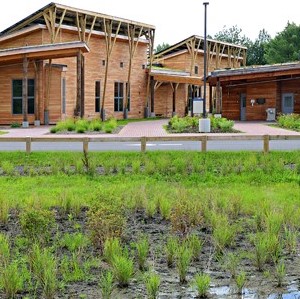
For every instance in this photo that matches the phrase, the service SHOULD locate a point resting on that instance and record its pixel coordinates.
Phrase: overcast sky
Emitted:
(176, 20)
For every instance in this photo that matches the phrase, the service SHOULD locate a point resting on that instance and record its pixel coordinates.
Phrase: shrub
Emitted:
(37, 224)
(15, 125)
(54, 130)
(112, 247)
(75, 242)
(105, 222)
(202, 282)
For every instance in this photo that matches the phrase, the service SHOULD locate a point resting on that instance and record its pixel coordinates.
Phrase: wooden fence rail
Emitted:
(203, 140)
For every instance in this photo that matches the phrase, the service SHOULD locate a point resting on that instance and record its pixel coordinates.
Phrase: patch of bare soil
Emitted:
(258, 285)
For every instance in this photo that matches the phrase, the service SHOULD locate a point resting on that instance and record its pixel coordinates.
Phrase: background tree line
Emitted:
(284, 47)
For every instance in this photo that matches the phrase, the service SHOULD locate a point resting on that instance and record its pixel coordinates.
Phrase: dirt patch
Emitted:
(259, 284)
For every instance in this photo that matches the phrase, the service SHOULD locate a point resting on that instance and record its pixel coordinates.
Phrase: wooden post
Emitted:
(85, 145)
(204, 144)
(143, 144)
(78, 108)
(25, 89)
(266, 144)
(28, 145)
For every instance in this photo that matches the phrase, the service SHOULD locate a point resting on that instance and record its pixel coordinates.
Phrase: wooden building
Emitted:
(251, 93)
(177, 73)
(62, 62)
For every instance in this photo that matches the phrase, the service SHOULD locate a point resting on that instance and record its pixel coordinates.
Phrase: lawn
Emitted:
(154, 225)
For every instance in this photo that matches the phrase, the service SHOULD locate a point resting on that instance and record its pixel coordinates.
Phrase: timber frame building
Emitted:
(250, 93)
(62, 62)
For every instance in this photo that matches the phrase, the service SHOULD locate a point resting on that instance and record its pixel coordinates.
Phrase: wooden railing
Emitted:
(203, 140)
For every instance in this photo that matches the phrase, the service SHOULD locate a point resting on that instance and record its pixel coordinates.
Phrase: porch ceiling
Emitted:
(42, 52)
(175, 77)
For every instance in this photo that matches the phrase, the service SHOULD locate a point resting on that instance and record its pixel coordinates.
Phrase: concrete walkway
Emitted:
(151, 128)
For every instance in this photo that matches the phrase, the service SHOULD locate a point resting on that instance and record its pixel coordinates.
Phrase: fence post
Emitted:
(266, 144)
(143, 144)
(85, 145)
(28, 144)
(204, 144)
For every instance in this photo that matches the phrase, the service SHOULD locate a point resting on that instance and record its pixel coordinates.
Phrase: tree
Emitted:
(161, 47)
(256, 51)
(232, 35)
(285, 47)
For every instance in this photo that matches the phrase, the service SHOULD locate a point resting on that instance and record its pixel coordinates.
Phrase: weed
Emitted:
(11, 280)
(194, 243)
(152, 282)
(171, 248)
(202, 283)
(104, 223)
(183, 260)
(142, 250)
(151, 208)
(112, 247)
(280, 272)
(4, 210)
(4, 250)
(37, 224)
(165, 208)
(75, 242)
(7, 167)
(291, 236)
(106, 284)
(122, 269)
(240, 281)
(260, 251)
(231, 263)
(71, 269)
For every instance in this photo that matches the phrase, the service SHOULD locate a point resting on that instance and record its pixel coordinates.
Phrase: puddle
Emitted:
(289, 295)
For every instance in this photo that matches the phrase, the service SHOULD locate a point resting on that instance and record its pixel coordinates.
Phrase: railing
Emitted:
(203, 140)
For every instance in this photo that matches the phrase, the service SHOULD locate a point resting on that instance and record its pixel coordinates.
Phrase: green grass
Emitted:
(252, 193)
(2, 132)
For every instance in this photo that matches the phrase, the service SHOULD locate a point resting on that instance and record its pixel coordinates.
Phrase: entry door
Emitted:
(243, 106)
(287, 103)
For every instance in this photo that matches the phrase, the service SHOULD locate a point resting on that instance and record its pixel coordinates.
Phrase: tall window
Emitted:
(196, 69)
(97, 96)
(128, 98)
(194, 92)
(17, 94)
(119, 96)
(63, 95)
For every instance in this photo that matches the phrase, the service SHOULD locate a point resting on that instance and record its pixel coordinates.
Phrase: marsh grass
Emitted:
(106, 284)
(240, 281)
(142, 250)
(183, 260)
(202, 284)
(123, 269)
(280, 273)
(152, 282)
(112, 247)
(170, 249)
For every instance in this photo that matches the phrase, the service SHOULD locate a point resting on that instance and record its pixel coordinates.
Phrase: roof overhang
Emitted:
(254, 73)
(175, 77)
(41, 52)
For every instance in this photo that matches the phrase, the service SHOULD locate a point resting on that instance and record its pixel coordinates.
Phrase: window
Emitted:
(128, 99)
(63, 95)
(121, 64)
(196, 70)
(119, 96)
(194, 92)
(97, 96)
(17, 95)
(103, 62)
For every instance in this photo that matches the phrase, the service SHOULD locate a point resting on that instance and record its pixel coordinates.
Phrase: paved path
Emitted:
(151, 128)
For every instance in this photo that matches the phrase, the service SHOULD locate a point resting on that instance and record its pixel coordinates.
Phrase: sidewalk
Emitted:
(150, 128)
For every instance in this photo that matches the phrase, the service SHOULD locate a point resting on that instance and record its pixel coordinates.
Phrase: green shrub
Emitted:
(75, 242)
(15, 125)
(54, 130)
(112, 247)
(105, 222)
(36, 225)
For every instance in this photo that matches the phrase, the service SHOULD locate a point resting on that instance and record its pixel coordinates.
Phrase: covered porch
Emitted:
(36, 65)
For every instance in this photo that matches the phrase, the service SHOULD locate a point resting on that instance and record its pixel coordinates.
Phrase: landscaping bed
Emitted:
(231, 217)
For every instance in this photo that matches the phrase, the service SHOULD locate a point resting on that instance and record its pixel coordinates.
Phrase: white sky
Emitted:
(176, 20)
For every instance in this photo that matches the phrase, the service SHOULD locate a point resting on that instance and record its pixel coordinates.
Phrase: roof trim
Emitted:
(58, 50)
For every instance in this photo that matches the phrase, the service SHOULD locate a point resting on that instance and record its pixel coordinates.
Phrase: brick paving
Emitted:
(151, 128)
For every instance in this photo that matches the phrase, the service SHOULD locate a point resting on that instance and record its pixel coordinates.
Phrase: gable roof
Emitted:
(199, 43)
(69, 16)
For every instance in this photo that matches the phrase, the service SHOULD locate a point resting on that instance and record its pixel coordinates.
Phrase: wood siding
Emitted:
(94, 70)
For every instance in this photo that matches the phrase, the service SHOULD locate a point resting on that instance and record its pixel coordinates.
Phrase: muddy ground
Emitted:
(259, 284)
